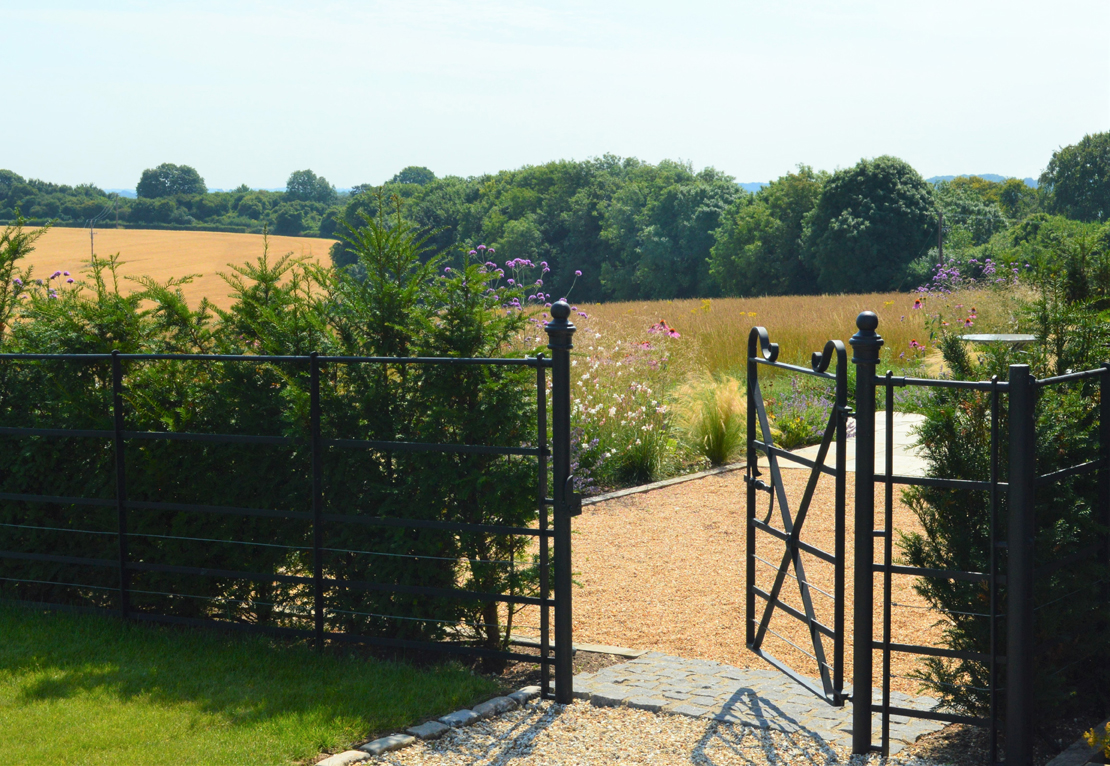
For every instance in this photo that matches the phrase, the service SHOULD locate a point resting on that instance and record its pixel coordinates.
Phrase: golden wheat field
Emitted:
(165, 254)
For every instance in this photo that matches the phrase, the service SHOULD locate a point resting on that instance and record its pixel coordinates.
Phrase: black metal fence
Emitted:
(314, 581)
(1014, 565)
(1026, 582)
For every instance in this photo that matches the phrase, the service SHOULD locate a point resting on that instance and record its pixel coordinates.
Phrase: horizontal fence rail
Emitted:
(315, 583)
(1013, 570)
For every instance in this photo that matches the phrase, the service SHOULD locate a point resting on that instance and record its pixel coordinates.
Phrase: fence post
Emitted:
(1019, 570)
(121, 483)
(865, 355)
(317, 499)
(560, 333)
(1103, 512)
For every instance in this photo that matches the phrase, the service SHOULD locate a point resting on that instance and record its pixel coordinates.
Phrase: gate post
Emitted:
(1019, 569)
(865, 355)
(560, 333)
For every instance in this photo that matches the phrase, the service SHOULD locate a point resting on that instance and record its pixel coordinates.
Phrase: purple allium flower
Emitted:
(543, 264)
(539, 282)
(18, 281)
(69, 281)
(481, 247)
(473, 252)
(583, 315)
(447, 269)
(492, 250)
(55, 274)
(65, 273)
(578, 273)
(512, 281)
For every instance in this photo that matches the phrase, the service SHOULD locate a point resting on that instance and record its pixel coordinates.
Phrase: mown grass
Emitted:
(81, 689)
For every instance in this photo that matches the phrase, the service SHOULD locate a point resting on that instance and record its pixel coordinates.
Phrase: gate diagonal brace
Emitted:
(793, 528)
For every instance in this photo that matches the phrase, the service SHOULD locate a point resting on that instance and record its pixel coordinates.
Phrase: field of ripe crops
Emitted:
(165, 254)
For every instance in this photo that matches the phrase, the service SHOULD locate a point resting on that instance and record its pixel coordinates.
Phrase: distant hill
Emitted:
(130, 193)
(1030, 182)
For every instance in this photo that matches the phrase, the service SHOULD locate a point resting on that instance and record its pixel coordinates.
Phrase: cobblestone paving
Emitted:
(763, 699)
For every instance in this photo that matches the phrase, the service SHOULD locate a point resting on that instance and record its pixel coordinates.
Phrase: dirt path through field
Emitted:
(664, 570)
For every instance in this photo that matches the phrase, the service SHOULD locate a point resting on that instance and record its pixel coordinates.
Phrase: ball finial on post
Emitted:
(866, 343)
(560, 310)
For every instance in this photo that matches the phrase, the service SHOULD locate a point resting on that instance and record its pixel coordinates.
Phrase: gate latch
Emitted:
(572, 499)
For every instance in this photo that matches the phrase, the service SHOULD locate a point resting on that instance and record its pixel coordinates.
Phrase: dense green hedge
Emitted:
(405, 306)
(1072, 670)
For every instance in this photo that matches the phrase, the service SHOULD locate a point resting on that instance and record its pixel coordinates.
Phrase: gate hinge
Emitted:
(759, 483)
(572, 499)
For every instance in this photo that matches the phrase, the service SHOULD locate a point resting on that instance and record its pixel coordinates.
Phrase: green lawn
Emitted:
(80, 689)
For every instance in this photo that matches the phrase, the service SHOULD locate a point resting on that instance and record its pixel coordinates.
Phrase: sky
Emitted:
(247, 92)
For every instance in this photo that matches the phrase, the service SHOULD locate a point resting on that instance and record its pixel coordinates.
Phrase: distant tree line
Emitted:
(637, 230)
(174, 197)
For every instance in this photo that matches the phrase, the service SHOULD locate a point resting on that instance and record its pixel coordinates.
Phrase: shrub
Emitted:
(1071, 615)
(799, 415)
(397, 303)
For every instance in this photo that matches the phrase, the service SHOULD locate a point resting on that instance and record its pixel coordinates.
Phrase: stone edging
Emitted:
(1079, 754)
(434, 729)
(662, 484)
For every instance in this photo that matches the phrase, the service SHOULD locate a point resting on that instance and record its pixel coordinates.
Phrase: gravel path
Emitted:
(544, 733)
(664, 570)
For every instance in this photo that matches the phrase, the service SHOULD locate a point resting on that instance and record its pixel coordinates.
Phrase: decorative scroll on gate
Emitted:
(763, 353)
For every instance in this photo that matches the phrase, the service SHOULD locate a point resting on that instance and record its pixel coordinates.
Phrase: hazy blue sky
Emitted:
(247, 92)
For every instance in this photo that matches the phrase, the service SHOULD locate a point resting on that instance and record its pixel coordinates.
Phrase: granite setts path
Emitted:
(764, 699)
(660, 683)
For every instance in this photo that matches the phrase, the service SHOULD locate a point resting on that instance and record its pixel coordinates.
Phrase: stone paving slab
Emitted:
(762, 699)
(908, 457)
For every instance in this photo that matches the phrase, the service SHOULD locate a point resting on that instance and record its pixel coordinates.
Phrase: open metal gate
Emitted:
(763, 353)
(1018, 573)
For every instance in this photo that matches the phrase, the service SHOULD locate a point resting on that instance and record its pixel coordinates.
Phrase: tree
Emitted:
(759, 249)
(306, 186)
(1016, 199)
(1078, 179)
(661, 226)
(288, 219)
(168, 180)
(968, 208)
(251, 206)
(870, 222)
(414, 174)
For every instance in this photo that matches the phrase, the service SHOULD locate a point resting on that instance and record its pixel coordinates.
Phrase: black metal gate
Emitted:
(1015, 564)
(763, 353)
